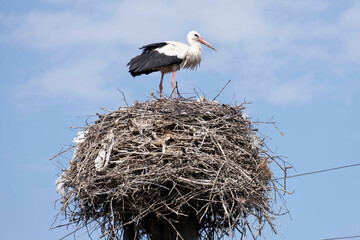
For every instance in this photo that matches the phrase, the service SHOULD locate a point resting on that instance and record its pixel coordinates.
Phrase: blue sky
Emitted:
(296, 61)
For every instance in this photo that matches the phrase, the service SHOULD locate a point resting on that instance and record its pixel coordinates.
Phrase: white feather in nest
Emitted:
(102, 160)
(60, 182)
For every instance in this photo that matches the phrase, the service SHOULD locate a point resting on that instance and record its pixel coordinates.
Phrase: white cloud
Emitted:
(81, 81)
(272, 44)
(293, 91)
(349, 26)
(51, 30)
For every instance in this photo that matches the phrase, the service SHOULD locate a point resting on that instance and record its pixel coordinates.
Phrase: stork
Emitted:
(167, 57)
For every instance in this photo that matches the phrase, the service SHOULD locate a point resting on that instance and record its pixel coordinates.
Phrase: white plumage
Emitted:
(169, 56)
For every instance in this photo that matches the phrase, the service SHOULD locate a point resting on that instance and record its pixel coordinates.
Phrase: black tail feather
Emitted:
(141, 64)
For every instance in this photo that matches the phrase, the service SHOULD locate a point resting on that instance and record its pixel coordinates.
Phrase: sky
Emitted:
(296, 62)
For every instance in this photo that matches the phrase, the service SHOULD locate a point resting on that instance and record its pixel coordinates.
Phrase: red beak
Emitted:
(206, 43)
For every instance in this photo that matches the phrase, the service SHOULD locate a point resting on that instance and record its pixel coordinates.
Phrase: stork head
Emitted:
(194, 36)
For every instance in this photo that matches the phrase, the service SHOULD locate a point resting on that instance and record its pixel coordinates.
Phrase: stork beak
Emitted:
(206, 43)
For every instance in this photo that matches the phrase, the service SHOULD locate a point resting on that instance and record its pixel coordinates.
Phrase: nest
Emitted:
(172, 162)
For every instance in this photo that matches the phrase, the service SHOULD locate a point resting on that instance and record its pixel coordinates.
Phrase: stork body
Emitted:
(167, 57)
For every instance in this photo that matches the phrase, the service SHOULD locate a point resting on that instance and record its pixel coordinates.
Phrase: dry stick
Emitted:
(88, 231)
(221, 90)
(112, 216)
(196, 93)
(212, 189)
(62, 152)
(77, 229)
(172, 225)
(124, 98)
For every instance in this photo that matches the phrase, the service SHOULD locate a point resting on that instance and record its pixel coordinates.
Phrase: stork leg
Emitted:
(160, 85)
(173, 83)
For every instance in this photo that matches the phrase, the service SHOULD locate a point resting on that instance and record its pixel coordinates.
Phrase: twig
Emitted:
(62, 152)
(221, 90)
(124, 98)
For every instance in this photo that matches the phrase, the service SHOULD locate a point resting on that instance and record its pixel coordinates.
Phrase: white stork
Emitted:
(168, 57)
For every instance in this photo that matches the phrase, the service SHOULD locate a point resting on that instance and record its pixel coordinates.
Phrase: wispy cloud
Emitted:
(296, 91)
(268, 45)
(81, 80)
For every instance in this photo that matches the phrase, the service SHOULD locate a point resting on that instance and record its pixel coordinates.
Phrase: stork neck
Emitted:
(195, 44)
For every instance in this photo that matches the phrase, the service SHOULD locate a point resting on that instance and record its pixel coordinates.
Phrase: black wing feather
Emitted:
(150, 61)
(152, 46)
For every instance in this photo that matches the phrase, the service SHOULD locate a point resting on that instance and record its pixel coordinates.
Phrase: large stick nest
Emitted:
(170, 159)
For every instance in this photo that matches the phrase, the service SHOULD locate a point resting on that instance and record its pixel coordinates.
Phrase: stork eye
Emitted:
(196, 35)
